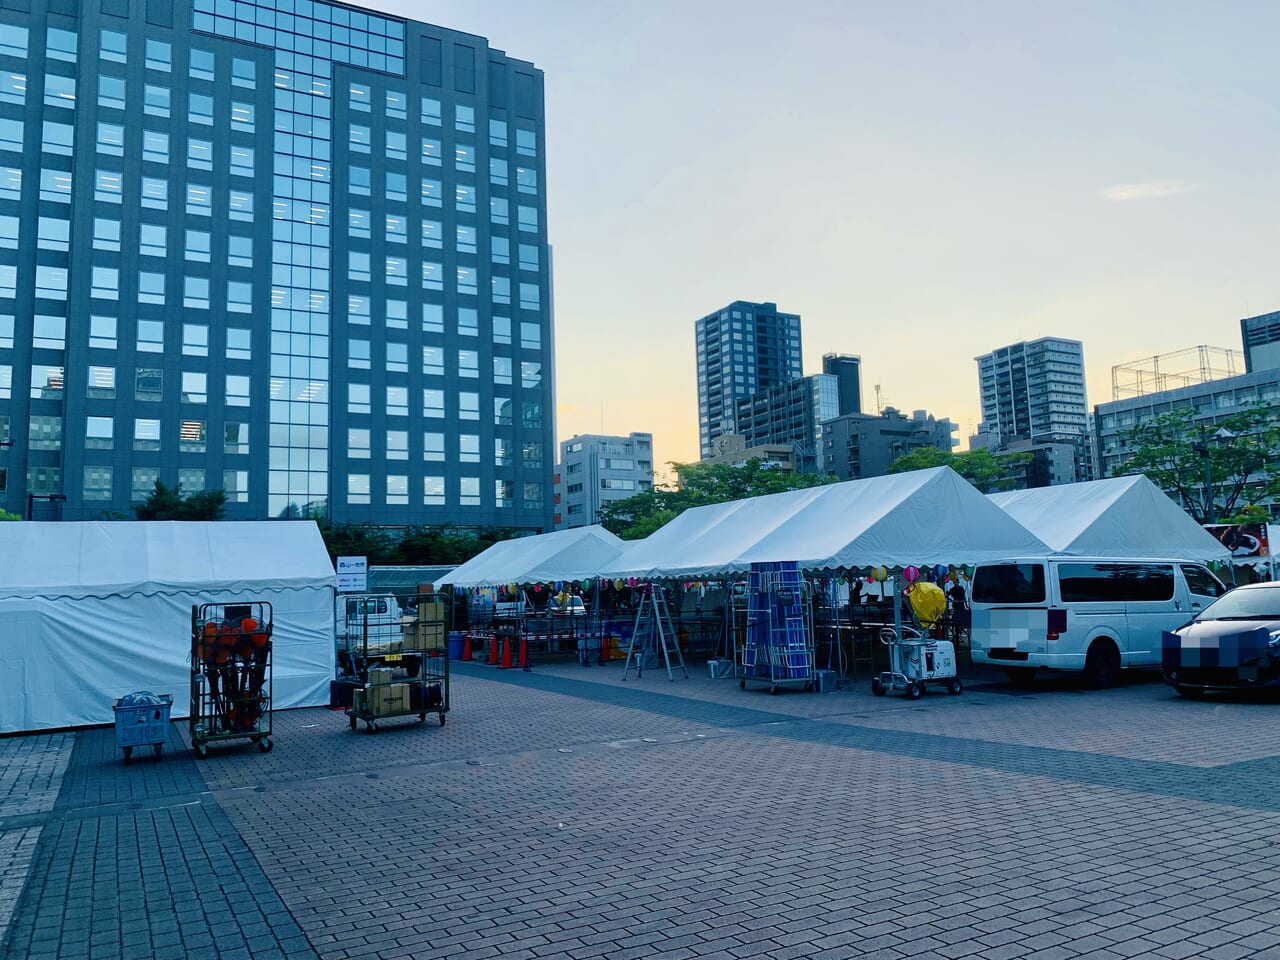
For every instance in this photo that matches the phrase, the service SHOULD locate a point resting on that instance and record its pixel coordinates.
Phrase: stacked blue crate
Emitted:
(777, 647)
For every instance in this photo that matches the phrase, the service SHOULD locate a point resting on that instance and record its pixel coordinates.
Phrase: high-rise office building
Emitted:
(595, 471)
(847, 370)
(742, 349)
(1261, 336)
(859, 445)
(1033, 390)
(290, 249)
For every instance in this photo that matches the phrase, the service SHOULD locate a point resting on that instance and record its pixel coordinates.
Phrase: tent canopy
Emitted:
(930, 516)
(95, 610)
(1118, 517)
(75, 560)
(563, 555)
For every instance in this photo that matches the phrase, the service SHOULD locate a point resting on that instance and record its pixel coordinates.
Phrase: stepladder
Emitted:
(653, 640)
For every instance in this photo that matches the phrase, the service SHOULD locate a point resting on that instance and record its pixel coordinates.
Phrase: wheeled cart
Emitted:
(142, 720)
(914, 661)
(413, 683)
(778, 652)
(230, 674)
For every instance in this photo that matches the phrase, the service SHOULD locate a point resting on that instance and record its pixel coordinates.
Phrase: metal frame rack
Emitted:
(779, 646)
(231, 674)
(413, 680)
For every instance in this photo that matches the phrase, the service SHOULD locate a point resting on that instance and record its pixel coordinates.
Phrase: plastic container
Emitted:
(142, 720)
(457, 640)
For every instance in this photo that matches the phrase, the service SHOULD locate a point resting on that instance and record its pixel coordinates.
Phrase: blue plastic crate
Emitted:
(144, 724)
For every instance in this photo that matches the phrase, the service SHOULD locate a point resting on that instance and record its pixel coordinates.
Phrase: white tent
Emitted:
(924, 517)
(1119, 517)
(563, 555)
(92, 611)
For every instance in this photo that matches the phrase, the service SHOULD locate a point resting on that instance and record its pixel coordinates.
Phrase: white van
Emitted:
(378, 614)
(1096, 615)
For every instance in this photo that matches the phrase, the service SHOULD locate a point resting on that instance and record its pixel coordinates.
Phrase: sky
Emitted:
(921, 181)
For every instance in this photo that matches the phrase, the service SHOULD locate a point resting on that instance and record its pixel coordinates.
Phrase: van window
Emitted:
(1009, 583)
(1200, 581)
(1114, 582)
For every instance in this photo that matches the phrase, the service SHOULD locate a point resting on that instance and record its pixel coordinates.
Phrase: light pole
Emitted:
(51, 497)
(1202, 447)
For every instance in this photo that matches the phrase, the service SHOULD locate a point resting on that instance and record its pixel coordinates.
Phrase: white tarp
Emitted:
(923, 517)
(563, 555)
(92, 611)
(1118, 517)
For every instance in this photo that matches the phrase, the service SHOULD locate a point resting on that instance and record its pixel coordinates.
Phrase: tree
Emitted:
(6, 515)
(987, 471)
(168, 503)
(699, 484)
(1222, 473)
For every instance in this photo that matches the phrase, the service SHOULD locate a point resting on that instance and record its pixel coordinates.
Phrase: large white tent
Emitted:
(923, 517)
(92, 611)
(1118, 517)
(563, 555)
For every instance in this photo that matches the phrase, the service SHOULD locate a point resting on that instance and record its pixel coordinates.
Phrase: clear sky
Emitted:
(921, 181)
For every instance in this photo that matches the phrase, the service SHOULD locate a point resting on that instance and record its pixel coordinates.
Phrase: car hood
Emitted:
(1210, 630)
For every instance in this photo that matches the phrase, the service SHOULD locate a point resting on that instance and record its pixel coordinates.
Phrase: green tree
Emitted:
(989, 472)
(357, 540)
(1223, 472)
(699, 484)
(168, 503)
(6, 515)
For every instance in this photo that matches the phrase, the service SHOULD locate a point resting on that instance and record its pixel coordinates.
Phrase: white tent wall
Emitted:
(67, 650)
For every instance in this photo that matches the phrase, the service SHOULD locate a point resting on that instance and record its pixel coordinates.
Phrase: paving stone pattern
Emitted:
(563, 813)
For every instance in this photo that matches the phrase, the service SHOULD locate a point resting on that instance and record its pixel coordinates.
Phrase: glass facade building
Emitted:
(289, 249)
(742, 349)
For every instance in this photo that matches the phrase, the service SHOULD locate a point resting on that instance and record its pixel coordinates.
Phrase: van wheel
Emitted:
(1101, 665)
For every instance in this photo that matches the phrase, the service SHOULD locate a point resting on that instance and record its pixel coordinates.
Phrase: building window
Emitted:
(98, 433)
(358, 488)
(111, 46)
(191, 436)
(146, 435)
(358, 443)
(148, 385)
(398, 445)
(433, 491)
(159, 56)
(433, 446)
(102, 332)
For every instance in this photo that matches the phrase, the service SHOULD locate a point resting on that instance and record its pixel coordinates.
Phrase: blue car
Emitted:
(1232, 644)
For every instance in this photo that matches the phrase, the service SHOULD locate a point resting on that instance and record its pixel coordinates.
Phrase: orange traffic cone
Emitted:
(493, 650)
(466, 646)
(524, 653)
(506, 652)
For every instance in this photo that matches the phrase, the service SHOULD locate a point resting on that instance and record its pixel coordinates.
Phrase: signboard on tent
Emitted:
(353, 574)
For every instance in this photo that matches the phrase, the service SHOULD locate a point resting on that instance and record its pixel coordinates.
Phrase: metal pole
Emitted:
(1203, 447)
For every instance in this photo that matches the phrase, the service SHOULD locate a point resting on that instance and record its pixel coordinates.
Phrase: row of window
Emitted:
(464, 405)
(395, 359)
(463, 492)
(98, 481)
(51, 284)
(48, 383)
(45, 433)
(396, 447)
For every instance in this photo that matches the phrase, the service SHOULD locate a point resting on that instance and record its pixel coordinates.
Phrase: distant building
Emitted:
(733, 449)
(847, 370)
(1033, 390)
(742, 349)
(292, 250)
(1211, 401)
(859, 445)
(598, 470)
(793, 414)
(1261, 336)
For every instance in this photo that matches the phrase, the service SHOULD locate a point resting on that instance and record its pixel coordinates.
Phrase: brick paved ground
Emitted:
(566, 813)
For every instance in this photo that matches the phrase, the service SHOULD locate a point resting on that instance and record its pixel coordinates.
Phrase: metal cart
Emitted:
(779, 646)
(230, 674)
(142, 720)
(413, 682)
(916, 660)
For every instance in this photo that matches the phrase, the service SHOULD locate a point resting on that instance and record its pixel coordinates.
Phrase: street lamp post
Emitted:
(1202, 447)
(51, 497)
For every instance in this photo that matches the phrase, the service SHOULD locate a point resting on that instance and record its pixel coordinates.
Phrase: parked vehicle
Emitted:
(568, 607)
(1095, 615)
(1232, 644)
(379, 612)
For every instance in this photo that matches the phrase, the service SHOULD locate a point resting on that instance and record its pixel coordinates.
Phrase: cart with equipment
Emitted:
(915, 658)
(412, 682)
(230, 674)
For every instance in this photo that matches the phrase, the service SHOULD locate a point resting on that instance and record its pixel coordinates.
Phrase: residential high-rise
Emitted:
(1033, 390)
(742, 349)
(291, 249)
(595, 471)
(859, 445)
(791, 413)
